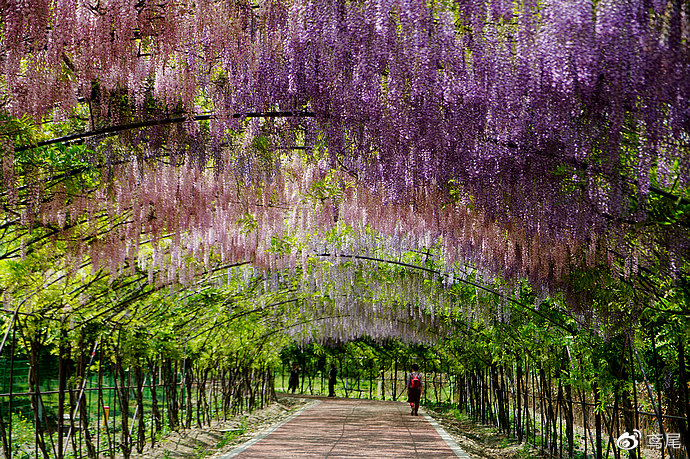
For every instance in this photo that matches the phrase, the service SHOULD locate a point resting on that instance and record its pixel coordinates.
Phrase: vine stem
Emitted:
(161, 122)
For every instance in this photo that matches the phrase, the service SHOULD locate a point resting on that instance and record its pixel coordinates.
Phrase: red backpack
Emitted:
(415, 382)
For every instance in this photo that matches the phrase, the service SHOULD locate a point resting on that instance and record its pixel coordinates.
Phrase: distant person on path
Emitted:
(332, 374)
(293, 383)
(414, 389)
(382, 383)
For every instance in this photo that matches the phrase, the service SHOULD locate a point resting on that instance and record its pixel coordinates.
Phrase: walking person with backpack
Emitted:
(414, 389)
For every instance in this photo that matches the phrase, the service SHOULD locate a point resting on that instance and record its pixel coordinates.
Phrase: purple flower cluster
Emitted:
(553, 120)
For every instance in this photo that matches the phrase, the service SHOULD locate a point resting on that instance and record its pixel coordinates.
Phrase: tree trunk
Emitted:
(141, 426)
(569, 421)
(498, 394)
(170, 383)
(122, 390)
(156, 425)
(91, 450)
(3, 432)
(36, 402)
(101, 406)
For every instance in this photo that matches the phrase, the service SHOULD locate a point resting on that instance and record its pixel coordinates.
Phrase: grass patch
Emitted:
(231, 435)
(479, 438)
(448, 409)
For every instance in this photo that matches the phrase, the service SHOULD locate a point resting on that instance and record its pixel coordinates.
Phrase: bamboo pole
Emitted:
(597, 421)
(12, 350)
(81, 394)
(684, 395)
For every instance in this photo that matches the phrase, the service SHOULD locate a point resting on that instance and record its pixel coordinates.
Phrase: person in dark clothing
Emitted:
(332, 373)
(381, 390)
(293, 383)
(414, 389)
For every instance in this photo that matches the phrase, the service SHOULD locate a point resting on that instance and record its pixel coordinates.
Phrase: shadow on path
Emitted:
(338, 428)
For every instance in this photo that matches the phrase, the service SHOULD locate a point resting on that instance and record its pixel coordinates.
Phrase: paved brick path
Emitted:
(338, 428)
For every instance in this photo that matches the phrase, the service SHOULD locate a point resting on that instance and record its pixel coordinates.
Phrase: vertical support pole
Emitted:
(518, 390)
(62, 380)
(534, 405)
(684, 402)
(597, 422)
(395, 381)
(7, 436)
(657, 412)
(585, 419)
(12, 349)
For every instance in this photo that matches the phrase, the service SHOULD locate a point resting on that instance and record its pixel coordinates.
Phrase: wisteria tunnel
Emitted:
(199, 195)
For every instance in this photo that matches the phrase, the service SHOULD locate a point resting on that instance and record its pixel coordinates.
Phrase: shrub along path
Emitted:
(352, 428)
